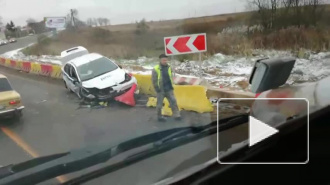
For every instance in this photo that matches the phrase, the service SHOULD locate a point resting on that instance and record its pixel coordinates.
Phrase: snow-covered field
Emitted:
(219, 70)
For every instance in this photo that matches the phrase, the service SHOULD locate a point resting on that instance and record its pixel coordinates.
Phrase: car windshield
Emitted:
(4, 85)
(94, 73)
(95, 68)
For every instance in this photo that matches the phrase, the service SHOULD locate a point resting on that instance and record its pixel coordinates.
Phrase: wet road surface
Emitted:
(21, 43)
(53, 122)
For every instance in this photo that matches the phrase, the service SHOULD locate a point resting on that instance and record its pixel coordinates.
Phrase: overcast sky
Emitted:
(118, 11)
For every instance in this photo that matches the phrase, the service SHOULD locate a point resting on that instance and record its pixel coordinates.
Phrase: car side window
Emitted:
(73, 73)
(67, 69)
(70, 71)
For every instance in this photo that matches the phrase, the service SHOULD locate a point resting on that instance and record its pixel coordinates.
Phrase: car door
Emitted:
(66, 76)
(70, 77)
(75, 81)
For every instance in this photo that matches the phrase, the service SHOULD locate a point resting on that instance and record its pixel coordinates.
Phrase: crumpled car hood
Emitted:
(106, 80)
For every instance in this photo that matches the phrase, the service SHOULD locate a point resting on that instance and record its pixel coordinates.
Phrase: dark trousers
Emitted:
(173, 104)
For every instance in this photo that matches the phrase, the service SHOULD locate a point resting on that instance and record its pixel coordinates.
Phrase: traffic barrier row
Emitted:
(166, 110)
(50, 70)
(145, 84)
(179, 79)
(146, 87)
(189, 97)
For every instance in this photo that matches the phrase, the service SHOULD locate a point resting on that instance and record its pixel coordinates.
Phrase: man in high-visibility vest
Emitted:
(163, 84)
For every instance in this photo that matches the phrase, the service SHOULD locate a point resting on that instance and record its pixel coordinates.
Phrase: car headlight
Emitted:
(127, 77)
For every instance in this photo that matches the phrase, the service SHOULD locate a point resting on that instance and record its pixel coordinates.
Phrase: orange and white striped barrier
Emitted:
(50, 70)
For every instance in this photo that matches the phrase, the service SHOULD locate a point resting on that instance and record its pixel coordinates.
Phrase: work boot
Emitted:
(176, 114)
(159, 115)
(161, 119)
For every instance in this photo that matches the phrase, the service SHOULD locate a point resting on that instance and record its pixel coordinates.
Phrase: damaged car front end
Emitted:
(108, 93)
(94, 77)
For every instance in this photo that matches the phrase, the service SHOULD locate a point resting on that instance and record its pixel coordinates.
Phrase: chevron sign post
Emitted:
(185, 44)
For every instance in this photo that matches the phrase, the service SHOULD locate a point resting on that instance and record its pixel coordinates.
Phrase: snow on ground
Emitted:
(219, 70)
(232, 71)
(18, 55)
(11, 54)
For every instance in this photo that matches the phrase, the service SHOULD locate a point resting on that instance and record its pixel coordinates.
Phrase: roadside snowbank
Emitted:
(232, 71)
(18, 55)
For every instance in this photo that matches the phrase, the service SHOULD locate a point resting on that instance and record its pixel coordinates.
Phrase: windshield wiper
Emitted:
(41, 169)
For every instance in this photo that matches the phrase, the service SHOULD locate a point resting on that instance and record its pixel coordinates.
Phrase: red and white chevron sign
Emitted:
(185, 44)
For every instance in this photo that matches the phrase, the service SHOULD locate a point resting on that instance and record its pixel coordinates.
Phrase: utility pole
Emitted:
(72, 18)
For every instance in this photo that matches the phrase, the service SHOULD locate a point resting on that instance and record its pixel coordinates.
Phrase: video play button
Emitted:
(259, 131)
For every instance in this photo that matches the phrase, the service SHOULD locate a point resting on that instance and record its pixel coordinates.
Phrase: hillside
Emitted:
(122, 41)
(169, 24)
(228, 34)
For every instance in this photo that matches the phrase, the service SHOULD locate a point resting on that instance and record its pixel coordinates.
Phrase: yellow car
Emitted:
(10, 100)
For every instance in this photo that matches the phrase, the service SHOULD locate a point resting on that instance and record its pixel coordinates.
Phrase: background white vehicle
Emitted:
(93, 76)
(3, 42)
(12, 40)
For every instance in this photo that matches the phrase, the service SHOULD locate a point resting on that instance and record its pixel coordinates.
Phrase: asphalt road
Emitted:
(53, 122)
(21, 43)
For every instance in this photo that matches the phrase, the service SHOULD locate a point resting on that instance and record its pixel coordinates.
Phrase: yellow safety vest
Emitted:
(157, 69)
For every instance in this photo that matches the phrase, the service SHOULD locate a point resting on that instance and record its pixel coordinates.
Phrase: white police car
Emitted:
(92, 76)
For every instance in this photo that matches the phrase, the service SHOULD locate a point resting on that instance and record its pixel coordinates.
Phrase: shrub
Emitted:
(141, 27)
(229, 44)
(184, 58)
(99, 35)
(40, 48)
(292, 38)
(35, 50)
(43, 40)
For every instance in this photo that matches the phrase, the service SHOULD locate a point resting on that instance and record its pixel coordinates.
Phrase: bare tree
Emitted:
(100, 21)
(262, 13)
(30, 20)
(37, 27)
(95, 21)
(89, 22)
(276, 14)
(104, 21)
(274, 7)
(315, 10)
(107, 21)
